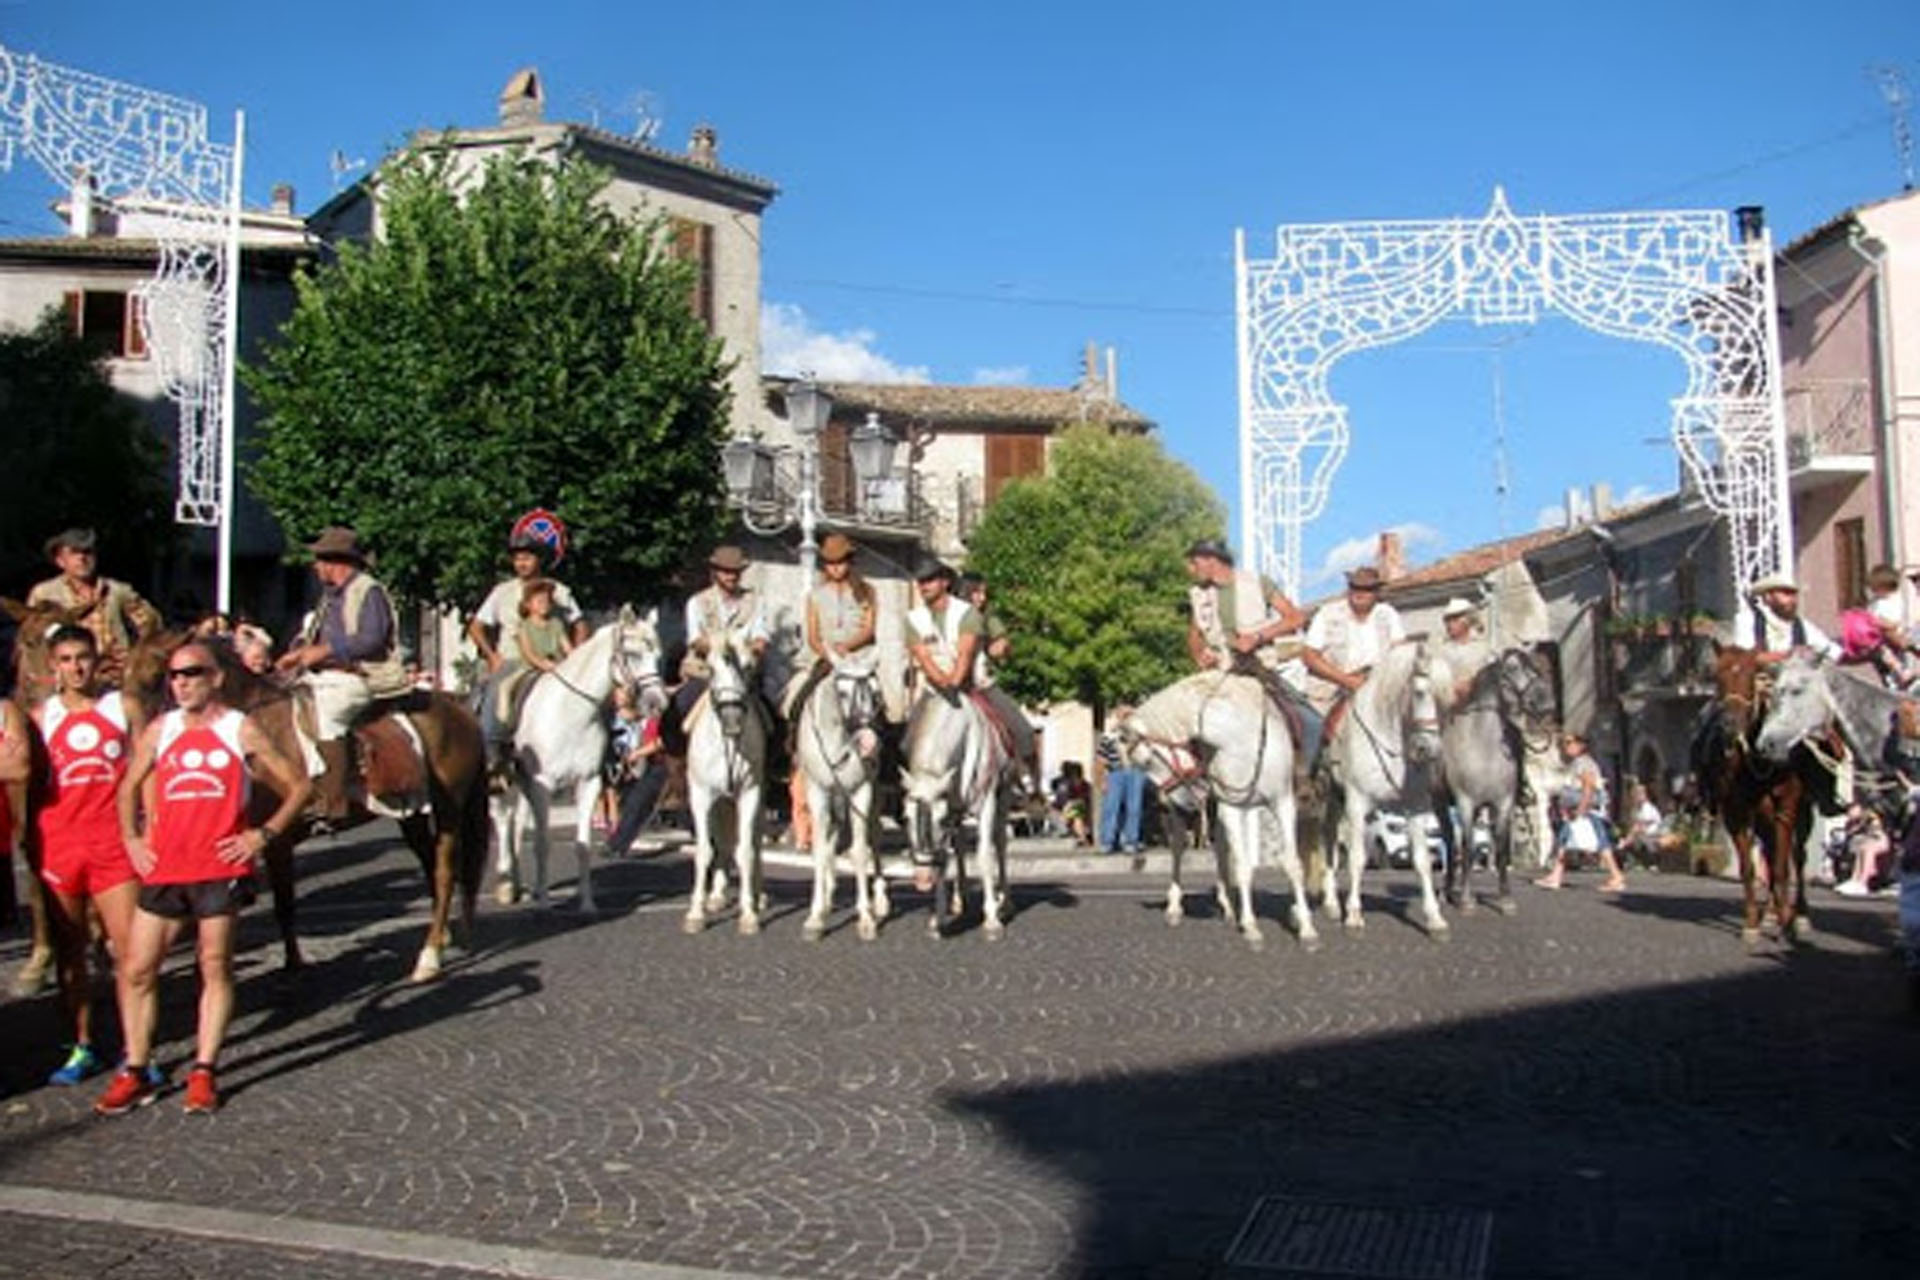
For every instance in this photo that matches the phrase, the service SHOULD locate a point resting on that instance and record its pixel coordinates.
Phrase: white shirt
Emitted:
(501, 609)
(711, 611)
(1779, 632)
(1349, 643)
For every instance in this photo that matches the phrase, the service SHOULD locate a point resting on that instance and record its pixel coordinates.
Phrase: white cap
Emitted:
(1457, 606)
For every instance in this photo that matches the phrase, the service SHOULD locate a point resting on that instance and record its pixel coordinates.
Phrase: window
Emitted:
(1011, 457)
(109, 321)
(693, 242)
(1850, 562)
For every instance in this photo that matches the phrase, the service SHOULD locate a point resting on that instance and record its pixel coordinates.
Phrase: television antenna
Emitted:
(648, 115)
(341, 166)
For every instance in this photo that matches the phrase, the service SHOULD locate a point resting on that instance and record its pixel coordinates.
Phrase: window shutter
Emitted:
(133, 343)
(75, 303)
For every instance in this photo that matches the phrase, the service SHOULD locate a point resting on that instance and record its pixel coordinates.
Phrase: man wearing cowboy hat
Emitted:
(1463, 651)
(1236, 619)
(1772, 626)
(112, 610)
(726, 605)
(347, 657)
(1347, 636)
(495, 629)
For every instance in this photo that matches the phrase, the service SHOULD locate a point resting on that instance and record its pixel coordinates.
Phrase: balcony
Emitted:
(1830, 431)
(1661, 658)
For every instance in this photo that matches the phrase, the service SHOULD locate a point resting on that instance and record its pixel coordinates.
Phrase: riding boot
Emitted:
(330, 788)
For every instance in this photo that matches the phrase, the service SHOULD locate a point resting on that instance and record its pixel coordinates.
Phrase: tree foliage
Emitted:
(1087, 565)
(509, 343)
(78, 453)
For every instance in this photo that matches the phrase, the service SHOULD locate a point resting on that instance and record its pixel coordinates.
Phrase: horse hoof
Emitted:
(34, 977)
(1256, 941)
(692, 924)
(1356, 923)
(503, 893)
(994, 930)
(427, 967)
(1440, 932)
(1310, 942)
(813, 930)
(716, 903)
(1331, 910)
(1467, 904)
(586, 906)
(869, 930)
(882, 905)
(1802, 928)
(1750, 938)
(1174, 919)
(749, 926)
(1506, 906)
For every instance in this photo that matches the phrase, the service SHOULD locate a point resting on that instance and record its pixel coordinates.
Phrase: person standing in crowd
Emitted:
(495, 626)
(1123, 793)
(348, 657)
(113, 611)
(183, 811)
(1584, 825)
(82, 858)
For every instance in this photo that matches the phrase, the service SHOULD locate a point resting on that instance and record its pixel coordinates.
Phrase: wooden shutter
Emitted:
(837, 494)
(1850, 562)
(133, 339)
(75, 303)
(1009, 457)
(693, 242)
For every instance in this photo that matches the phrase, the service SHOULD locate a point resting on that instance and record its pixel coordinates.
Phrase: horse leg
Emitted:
(1334, 851)
(1435, 924)
(701, 802)
(990, 848)
(1243, 843)
(278, 862)
(1503, 821)
(1789, 889)
(36, 973)
(1742, 838)
(1177, 849)
(540, 807)
(434, 842)
(505, 809)
(1356, 860)
(586, 798)
(746, 856)
(870, 888)
(820, 800)
(1285, 816)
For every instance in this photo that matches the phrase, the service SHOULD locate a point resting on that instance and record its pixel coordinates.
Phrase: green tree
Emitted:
(78, 453)
(1088, 565)
(508, 343)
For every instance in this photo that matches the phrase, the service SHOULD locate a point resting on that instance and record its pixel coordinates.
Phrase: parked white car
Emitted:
(1388, 844)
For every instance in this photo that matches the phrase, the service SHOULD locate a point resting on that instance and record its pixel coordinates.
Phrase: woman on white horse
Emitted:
(835, 743)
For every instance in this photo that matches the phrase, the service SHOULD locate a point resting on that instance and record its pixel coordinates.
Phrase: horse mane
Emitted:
(1392, 677)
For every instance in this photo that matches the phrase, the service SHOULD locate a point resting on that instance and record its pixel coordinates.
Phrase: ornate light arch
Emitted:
(152, 150)
(1691, 281)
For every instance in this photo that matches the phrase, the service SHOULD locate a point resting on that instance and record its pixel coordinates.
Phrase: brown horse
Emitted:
(438, 793)
(1755, 798)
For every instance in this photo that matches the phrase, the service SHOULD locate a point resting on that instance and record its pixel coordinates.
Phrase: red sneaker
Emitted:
(202, 1098)
(130, 1087)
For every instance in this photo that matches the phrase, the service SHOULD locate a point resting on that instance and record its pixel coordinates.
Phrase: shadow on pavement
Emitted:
(1759, 1125)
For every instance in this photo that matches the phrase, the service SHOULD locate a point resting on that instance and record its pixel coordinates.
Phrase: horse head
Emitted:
(856, 690)
(1736, 674)
(1422, 719)
(730, 686)
(636, 659)
(1157, 738)
(1526, 693)
(1799, 706)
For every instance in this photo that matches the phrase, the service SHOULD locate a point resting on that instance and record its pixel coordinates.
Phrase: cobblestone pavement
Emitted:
(1613, 1080)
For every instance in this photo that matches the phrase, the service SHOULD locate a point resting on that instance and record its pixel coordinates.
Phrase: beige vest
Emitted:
(1250, 614)
(386, 676)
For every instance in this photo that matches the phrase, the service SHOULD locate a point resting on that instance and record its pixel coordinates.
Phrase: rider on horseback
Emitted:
(996, 643)
(1348, 636)
(1237, 619)
(111, 610)
(349, 656)
(727, 605)
(1462, 651)
(495, 628)
(1773, 627)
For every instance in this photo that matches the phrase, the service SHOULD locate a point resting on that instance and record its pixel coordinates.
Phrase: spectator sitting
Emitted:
(1871, 850)
(1072, 798)
(1647, 831)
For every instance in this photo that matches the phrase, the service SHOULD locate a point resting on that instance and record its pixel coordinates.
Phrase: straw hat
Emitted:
(337, 542)
(1458, 606)
(728, 556)
(836, 547)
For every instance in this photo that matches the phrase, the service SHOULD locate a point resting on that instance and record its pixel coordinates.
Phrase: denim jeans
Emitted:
(1120, 809)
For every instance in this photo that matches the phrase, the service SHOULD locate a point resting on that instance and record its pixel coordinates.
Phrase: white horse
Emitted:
(1224, 730)
(1385, 752)
(958, 764)
(726, 770)
(837, 748)
(560, 744)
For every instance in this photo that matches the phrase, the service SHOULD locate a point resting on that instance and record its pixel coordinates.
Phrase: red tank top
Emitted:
(86, 757)
(201, 785)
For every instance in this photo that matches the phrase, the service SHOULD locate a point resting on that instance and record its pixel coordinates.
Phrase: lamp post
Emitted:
(808, 409)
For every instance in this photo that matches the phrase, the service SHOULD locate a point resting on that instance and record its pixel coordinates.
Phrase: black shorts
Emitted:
(198, 900)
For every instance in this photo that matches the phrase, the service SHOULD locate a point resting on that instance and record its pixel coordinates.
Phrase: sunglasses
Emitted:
(188, 673)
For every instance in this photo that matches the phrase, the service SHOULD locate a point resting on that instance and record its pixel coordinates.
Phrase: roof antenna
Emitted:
(1893, 88)
(342, 166)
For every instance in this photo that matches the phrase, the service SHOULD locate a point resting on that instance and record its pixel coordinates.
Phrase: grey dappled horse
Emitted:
(1385, 755)
(1223, 730)
(1508, 708)
(959, 766)
(837, 748)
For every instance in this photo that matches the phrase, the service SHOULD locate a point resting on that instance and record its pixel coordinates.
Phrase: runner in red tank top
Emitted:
(82, 857)
(195, 852)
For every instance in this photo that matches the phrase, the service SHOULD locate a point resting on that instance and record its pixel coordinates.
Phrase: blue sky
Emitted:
(973, 192)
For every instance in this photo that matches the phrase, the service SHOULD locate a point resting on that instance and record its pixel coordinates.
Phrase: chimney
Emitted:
(1113, 378)
(80, 220)
(522, 101)
(1602, 500)
(1575, 516)
(283, 199)
(704, 149)
(1393, 556)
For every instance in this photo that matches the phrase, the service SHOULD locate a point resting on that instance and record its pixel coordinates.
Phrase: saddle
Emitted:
(510, 699)
(1278, 693)
(1002, 731)
(388, 756)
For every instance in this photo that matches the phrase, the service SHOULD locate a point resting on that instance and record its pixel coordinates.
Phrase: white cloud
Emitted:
(790, 345)
(1006, 375)
(1365, 549)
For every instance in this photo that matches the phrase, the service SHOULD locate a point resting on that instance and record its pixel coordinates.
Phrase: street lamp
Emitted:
(871, 445)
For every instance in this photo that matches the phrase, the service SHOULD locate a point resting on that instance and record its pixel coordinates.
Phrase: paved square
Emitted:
(1614, 1081)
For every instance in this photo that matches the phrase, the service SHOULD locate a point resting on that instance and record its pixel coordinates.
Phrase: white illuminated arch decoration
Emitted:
(1696, 282)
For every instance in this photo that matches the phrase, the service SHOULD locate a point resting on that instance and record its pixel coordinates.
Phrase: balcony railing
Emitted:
(1829, 418)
